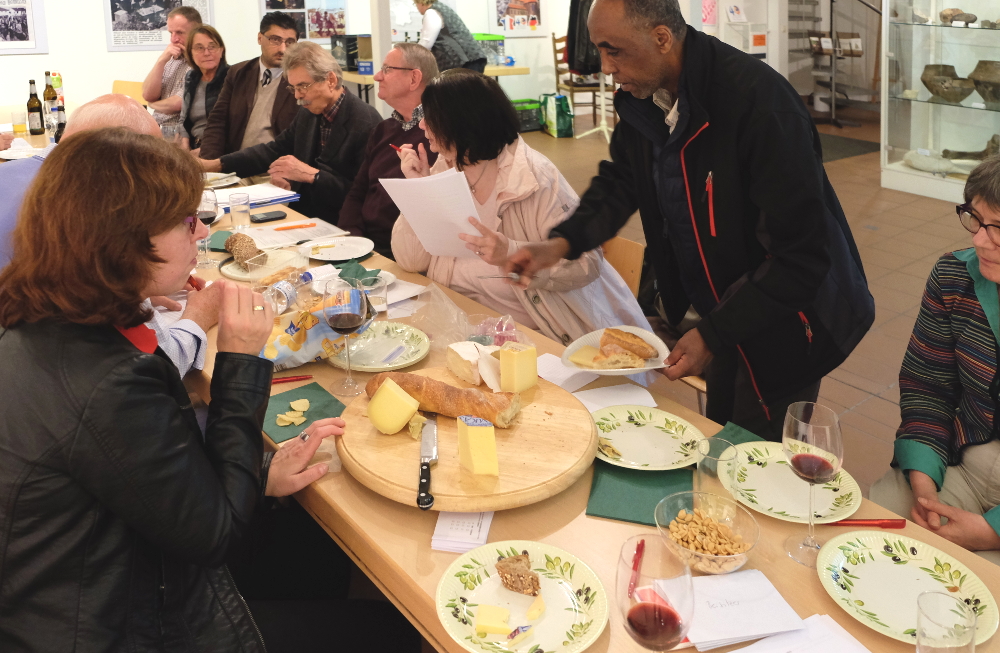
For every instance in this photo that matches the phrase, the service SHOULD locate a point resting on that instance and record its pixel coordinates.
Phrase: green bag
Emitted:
(557, 117)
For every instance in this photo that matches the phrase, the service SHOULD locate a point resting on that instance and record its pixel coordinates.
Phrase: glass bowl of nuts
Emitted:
(713, 534)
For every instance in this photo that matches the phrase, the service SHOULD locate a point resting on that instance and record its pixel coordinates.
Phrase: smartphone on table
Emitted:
(270, 216)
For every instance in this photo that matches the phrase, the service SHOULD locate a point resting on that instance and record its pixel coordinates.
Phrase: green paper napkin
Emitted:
(217, 243)
(354, 270)
(631, 494)
(322, 404)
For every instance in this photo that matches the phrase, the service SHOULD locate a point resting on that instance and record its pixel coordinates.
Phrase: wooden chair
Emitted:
(698, 383)
(131, 89)
(570, 87)
(625, 256)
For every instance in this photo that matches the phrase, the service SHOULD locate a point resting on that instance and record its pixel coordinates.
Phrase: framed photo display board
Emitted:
(133, 25)
(22, 27)
(317, 20)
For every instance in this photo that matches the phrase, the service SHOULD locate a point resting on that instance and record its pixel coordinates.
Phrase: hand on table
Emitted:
(288, 472)
(280, 182)
(290, 168)
(6, 140)
(964, 528)
(245, 319)
(412, 162)
(923, 486)
(491, 247)
(535, 257)
(203, 307)
(690, 356)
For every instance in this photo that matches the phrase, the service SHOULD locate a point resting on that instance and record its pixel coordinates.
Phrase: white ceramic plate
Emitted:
(276, 259)
(218, 179)
(383, 347)
(342, 248)
(576, 605)
(645, 438)
(594, 340)
(876, 576)
(765, 482)
(13, 155)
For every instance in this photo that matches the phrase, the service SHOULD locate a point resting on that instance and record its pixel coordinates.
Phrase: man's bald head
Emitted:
(112, 110)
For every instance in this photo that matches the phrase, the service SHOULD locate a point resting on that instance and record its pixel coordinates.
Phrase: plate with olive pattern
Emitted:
(876, 577)
(645, 438)
(576, 605)
(762, 480)
(383, 347)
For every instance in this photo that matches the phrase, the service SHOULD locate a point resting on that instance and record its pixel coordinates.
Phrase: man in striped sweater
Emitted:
(947, 450)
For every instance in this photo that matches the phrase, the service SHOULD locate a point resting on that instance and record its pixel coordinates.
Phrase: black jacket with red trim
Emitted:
(773, 240)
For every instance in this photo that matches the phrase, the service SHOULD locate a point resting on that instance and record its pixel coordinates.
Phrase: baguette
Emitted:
(628, 341)
(613, 357)
(434, 396)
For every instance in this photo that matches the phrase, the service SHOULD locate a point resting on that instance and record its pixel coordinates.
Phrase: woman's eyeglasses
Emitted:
(210, 48)
(192, 223)
(973, 223)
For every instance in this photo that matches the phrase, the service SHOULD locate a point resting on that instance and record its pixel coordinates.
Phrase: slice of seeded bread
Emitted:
(516, 575)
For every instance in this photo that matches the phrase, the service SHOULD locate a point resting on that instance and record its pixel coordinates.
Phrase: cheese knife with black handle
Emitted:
(428, 456)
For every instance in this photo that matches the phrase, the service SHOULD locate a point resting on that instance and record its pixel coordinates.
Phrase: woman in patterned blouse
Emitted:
(946, 470)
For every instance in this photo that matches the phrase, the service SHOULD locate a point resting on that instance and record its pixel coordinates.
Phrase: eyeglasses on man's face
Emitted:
(385, 69)
(300, 88)
(277, 40)
(973, 223)
(210, 48)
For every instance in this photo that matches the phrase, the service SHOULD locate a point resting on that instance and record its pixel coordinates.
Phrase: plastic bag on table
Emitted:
(439, 317)
(488, 330)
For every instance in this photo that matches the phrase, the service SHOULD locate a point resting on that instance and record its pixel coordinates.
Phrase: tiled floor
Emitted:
(899, 236)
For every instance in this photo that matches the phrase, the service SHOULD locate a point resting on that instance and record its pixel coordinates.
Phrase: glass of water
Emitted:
(376, 290)
(716, 463)
(945, 624)
(239, 211)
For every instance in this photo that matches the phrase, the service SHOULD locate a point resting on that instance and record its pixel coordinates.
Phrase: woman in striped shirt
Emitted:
(946, 470)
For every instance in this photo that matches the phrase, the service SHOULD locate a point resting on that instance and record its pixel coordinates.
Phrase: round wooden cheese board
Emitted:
(551, 443)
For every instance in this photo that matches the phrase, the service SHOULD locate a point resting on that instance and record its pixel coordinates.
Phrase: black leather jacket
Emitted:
(115, 515)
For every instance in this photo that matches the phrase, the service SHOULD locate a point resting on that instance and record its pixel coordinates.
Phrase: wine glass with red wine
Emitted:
(345, 308)
(654, 593)
(815, 451)
(207, 212)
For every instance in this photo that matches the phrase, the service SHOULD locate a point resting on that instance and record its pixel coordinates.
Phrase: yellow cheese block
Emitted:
(584, 356)
(492, 619)
(536, 609)
(477, 446)
(391, 408)
(518, 367)
(416, 425)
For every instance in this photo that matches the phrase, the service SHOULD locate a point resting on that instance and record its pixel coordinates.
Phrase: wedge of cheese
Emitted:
(492, 619)
(536, 609)
(518, 367)
(584, 356)
(391, 408)
(477, 446)
(416, 425)
(465, 360)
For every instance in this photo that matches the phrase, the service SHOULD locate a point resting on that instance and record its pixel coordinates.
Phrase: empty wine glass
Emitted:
(654, 593)
(345, 308)
(207, 212)
(815, 451)
(716, 463)
(945, 624)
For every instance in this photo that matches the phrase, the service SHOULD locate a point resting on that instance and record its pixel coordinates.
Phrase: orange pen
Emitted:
(296, 226)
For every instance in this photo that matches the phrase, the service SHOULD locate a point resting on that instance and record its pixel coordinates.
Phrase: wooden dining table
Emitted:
(391, 542)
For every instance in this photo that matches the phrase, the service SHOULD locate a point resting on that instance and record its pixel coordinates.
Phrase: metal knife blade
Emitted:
(428, 456)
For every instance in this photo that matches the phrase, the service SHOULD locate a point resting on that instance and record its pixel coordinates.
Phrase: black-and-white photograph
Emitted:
(14, 25)
(141, 15)
(286, 4)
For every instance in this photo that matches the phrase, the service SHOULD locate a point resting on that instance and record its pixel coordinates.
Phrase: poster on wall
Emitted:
(22, 27)
(142, 24)
(317, 20)
(519, 18)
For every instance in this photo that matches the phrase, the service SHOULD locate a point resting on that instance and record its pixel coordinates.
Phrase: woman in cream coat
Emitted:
(519, 196)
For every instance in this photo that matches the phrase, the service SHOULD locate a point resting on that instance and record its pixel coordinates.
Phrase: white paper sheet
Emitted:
(738, 607)
(615, 395)
(551, 369)
(437, 208)
(266, 236)
(459, 532)
(821, 635)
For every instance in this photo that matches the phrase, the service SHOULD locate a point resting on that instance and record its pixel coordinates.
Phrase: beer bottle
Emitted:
(36, 117)
(49, 94)
(62, 124)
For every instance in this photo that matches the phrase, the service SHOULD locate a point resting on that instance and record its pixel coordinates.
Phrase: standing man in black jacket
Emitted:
(319, 154)
(718, 153)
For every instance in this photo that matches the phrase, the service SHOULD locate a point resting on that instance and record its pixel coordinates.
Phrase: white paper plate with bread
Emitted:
(618, 351)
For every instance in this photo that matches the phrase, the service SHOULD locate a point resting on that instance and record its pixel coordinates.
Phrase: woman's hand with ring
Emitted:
(491, 247)
(242, 329)
(289, 472)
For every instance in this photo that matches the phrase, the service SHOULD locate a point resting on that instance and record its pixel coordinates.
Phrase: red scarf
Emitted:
(142, 337)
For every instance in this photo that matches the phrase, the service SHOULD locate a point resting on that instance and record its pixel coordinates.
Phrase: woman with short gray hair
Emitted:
(947, 447)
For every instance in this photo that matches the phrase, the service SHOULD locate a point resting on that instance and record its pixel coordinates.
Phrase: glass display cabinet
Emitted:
(940, 93)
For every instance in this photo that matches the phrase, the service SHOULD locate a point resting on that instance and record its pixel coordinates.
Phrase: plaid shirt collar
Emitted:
(326, 124)
(407, 125)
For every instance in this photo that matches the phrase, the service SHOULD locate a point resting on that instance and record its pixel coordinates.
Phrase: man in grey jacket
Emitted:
(320, 153)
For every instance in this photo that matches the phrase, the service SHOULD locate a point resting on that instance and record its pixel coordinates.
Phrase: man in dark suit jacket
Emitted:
(319, 155)
(254, 105)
